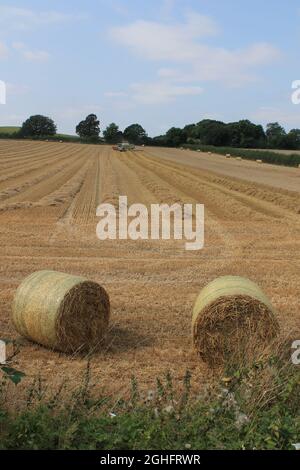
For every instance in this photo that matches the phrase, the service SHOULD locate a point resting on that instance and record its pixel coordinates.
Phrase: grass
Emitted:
(266, 156)
(12, 133)
(9, 129)
(253, 408)
(13, 129)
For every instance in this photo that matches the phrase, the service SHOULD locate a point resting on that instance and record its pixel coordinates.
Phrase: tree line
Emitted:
(88, 130)
(241, 134)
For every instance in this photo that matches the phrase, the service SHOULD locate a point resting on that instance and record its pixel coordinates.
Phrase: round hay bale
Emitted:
(228, 155)
(238, 158)
(259, 161)
(231, 317)
(61, 311)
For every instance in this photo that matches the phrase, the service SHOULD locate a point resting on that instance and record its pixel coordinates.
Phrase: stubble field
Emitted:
(48, 198)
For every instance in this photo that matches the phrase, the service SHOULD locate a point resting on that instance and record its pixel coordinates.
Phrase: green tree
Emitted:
(276, 135)
(37, 126)
(112, 134)
(135, 134)
(191, 134)
(159, 140)
(245, 134)
(292, 140)
(175, 137)
(189, 130)
(89, 128)
(211, 132)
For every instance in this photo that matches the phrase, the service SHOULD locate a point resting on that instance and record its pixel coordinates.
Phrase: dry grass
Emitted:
(252, 230)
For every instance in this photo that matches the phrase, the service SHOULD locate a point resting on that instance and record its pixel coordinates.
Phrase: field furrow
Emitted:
(48, 199)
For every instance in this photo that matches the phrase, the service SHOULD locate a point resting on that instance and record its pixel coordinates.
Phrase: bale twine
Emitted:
(61, 311)
(231, 318)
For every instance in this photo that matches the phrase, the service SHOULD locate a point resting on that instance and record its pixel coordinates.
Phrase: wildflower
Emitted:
(240, 419)
(169, 409)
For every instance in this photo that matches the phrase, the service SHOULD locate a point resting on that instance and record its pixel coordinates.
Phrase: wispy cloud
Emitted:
(161, 92)
(31, 55)
(24, 18)
(184, 44)
(36, 56)
(267, 114)
(160, 41)
(78, 112)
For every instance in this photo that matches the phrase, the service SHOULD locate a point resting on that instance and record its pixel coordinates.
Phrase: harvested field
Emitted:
(48, 198)
(283, 152)
(272, 175)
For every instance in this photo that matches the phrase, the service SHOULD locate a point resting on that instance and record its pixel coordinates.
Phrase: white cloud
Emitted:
(257, 54)
(266, 114)
(160, 41)
(37, 56)
(24, 18)
(18, 46)
(161, 92)
(183, 44)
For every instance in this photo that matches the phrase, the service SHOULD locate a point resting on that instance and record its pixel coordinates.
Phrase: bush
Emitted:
(253, 408)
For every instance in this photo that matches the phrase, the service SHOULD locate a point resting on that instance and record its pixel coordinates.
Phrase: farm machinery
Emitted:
(123, 147)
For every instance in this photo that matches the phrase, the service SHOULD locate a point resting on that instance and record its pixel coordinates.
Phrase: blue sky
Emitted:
(159, 63)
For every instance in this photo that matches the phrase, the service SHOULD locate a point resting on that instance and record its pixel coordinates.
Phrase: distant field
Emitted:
(68, 136)
(277, 157)
(282, 152)
(9, 129)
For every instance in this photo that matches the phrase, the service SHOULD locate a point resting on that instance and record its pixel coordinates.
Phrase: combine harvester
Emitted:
(124, 146)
